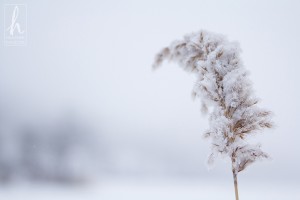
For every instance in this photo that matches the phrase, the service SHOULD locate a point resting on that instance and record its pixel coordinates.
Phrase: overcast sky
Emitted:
(95, 57)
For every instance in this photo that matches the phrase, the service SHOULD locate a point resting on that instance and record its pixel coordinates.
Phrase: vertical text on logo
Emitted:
(15, 24)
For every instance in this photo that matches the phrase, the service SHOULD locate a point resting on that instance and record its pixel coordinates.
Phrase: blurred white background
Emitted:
(82, 115)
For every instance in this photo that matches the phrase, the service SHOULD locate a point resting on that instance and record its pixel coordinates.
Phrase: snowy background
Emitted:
(82, 115)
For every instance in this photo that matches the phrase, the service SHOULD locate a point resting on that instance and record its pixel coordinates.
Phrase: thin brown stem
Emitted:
(235, 185)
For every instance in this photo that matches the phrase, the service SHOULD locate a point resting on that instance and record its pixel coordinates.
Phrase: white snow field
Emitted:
(123, 190)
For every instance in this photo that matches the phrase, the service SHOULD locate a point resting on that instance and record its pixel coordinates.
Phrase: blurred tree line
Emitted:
(59, 153)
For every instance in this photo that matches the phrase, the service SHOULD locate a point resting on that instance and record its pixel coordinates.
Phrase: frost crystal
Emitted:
(223, 84)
